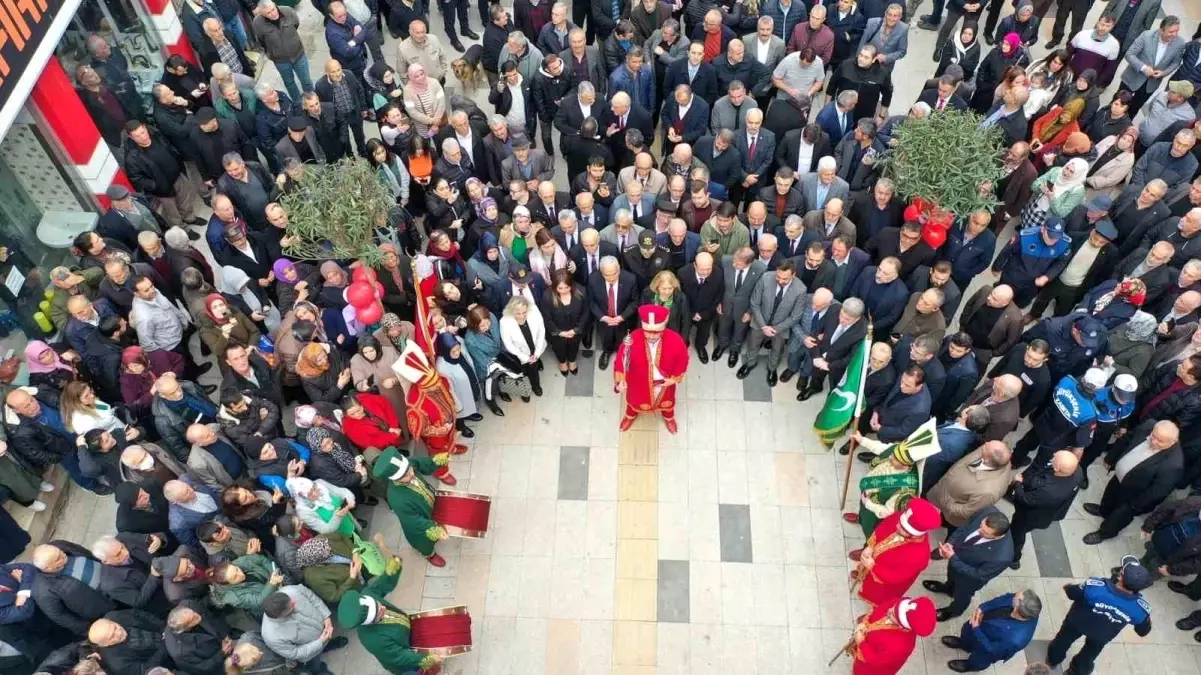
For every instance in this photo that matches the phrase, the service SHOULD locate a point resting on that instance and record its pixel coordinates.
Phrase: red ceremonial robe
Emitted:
(431, 404)
(899, 561)
(633, 365)
(887, 645)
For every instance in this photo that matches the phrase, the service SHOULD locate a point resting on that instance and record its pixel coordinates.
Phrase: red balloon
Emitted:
(934, 235)
(371, 314)
(379, 290)
(363, 274)
(360, 294)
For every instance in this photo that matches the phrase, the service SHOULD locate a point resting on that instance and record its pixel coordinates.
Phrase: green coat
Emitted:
(389, 642)
(1062, 204)
(895, 491)
(413, 504)
(331, 581)
(250, 594)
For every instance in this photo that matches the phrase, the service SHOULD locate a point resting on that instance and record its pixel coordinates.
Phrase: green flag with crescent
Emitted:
(845, 402)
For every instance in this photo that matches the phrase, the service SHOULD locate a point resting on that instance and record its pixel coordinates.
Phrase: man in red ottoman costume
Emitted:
(650, 362)
(431, 409)
(896, 553)
(887, 635)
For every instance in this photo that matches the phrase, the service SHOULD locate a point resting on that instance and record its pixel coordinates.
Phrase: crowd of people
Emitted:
(702, 179)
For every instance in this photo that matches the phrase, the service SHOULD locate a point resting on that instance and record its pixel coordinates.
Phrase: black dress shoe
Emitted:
(1093, 509)
(926, 25)
(586, 352)
(465, 431)
(504, 397)
(1187, 623)
(1015, 565)
(702, 354)
(744, 371)
(718, 352)
(1093, 538)
(203, 368)
(952, 642)
(844, 449)
(525, 399)
(936, 587)
(537, 390)
(786, 375)
(209, 388)
(733, 360)
(471, 35)
(865, 457)
(1084, 483)
(772, 378)
(603, 362)
(1182, 588)
(988, 38)
(495, 408)
(474, 417)
(458, 45)
(197, 222)
(960, 666)
(1051, 44)
(944, 614)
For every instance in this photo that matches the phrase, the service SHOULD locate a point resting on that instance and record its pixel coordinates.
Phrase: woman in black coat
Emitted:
(565, 312)
(445, 206)
(323, 373)
(1008, 53)
(1111, 120)
(962, 50)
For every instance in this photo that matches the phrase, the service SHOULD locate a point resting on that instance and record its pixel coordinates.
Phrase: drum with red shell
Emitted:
(463, 514)
(444, 632)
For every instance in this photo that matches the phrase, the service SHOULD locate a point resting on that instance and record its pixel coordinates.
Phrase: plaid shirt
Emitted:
(229, 56)
(343, 98)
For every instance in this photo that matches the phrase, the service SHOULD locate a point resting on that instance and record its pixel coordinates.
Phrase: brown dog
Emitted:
(468, 71)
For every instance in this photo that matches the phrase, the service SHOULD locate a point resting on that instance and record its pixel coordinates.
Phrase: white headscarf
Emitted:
(1063, 184)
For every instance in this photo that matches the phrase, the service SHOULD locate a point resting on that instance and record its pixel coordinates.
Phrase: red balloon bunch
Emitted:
(360, 294)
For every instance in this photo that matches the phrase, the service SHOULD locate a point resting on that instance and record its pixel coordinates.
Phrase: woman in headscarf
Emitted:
(1008, 53)
(1114, 302)
(1115, 161)
(47, 368)
(138, 373)
(963, 51)
(222, 324)
(547, 256)
(1056, 193)
(371, 370)
(384, 87)
(323, 373)
(489, 220)
(442, 247)
(396, 276)
(425, 101)
(336, 464)
(459, 371)
(494, 367)
(490, 263)
(328, 566)
(237, 283)
(142, 509)
(1084, 90)
(294, 281)
(395, 332)
(391, 171)
(334, 282)
(273, 462)
(254, 510)
(1131, 345)
(1077, 146)
(1051, 131)
(1111, 120)
(327, 326)
(243, 584)
(322, 507)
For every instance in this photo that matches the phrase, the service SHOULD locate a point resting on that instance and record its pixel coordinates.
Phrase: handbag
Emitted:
(1033, 215)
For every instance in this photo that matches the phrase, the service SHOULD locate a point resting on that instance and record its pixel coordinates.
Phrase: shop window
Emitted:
(126, 27)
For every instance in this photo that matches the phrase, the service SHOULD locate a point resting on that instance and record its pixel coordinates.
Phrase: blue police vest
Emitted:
(1109, 409)
(1031, 243)
(1072, 404)
(1104, 610)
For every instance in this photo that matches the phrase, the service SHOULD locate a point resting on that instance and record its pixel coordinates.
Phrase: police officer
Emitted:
(1114, 404)
(1034, 257)
(1075, 342)
(646, 259)
(1065, 424)
(1101, 608)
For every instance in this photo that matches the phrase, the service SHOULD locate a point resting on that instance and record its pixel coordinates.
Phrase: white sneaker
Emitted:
(37, 507)
(46, 487)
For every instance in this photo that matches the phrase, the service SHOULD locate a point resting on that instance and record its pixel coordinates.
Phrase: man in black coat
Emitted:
(588, 253)
(102, 356)
(962, 373)
(580, 148)
(1145, 462)
(156, 170)
(1151, 266)
(937, 276)
(551, 86)
(579, 104)
(1171, 392)
(975, 553)
(196, 638)
(63, 589)
(125, 576)
(830, 344)
(733, 65)
(329, 126)
(496, 35)
(216, 47)
(1170, 554)
(903, 409)
(703, 84)
(623, 115)
(613, 299)
(723, 159)
(1137, 209)
(353, 103)
(174, 120)
(129, 642)
(703, 285)
(1042, 496)
(213, 138)
(1027, 362)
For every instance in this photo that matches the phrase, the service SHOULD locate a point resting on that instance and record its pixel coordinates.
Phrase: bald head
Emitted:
(996, 454)
(177, 491)
(822, 298)
(49, 559)
(1000, 296)
(1006, 387)
(106, 633)
(703, 263)
(1064, 463)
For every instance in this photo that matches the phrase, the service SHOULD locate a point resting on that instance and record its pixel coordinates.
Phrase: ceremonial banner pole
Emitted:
(854, 425)
(846, 478)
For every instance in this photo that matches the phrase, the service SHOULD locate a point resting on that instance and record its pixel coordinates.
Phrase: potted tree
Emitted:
(336, 212)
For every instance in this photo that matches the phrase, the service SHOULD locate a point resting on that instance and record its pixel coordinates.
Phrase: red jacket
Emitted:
(366, 433)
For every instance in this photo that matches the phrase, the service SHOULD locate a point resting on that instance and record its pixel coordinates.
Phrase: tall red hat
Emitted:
(653, 317)
(918, 615)
(920, 517)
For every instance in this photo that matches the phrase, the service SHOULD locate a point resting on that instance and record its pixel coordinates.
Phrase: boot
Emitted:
(494, 407)
(443, 474)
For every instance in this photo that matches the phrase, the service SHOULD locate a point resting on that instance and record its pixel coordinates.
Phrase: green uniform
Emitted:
(388, 638)
(413, 504)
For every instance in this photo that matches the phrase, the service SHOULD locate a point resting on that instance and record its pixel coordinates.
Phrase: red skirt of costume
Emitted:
(899, 561)
(432, 405)
(632, 364)
(887, 645)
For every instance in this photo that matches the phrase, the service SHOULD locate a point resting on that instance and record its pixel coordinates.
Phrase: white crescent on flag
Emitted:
(847, 398)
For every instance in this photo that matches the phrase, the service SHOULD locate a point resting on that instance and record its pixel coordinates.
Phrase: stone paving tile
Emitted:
(734, 522)
(1051, 552)
(673, 592)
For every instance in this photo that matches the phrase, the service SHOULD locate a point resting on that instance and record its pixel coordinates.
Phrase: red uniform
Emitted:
(900, 547)
(430, 405)
(890, 634)
(650, 369)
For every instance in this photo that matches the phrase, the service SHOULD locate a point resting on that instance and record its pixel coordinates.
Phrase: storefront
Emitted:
(55, 165)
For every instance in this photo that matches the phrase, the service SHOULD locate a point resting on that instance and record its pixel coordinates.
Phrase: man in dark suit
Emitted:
(830, 347)
(945, 96)
(937, 276)
(682, 245)
(877, 210)
(837, 118)
(1137, 209)
(1146, 462)
(777, 303)
(921, 351)
(695, 72)
(902, 411)
(849, 262)
(881, 385)
(783, 197)
(975, 554)
(956, 438)
(685, 118)
(522, 282)
(788, 149)
(703, 285)
(757, 146)
(963, 371)
(1151, 266)
(1042, 496)
(791, 237)
(579, 104)
(58, 593)
(884, 294)
(546, 207)
(724, 161)
(624, 114)
(740, 272)
(614, 305)
(1009, 116)
(1000, 397)
(587, 255)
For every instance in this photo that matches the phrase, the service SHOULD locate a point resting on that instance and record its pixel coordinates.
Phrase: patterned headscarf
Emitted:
(388, 321)
(1132, 291)
(1141, 328)
(344, 459)
(314, 552)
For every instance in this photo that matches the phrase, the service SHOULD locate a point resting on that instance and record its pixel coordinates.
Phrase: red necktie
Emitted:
(612, 300)
(750, 153)
(942, 103)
